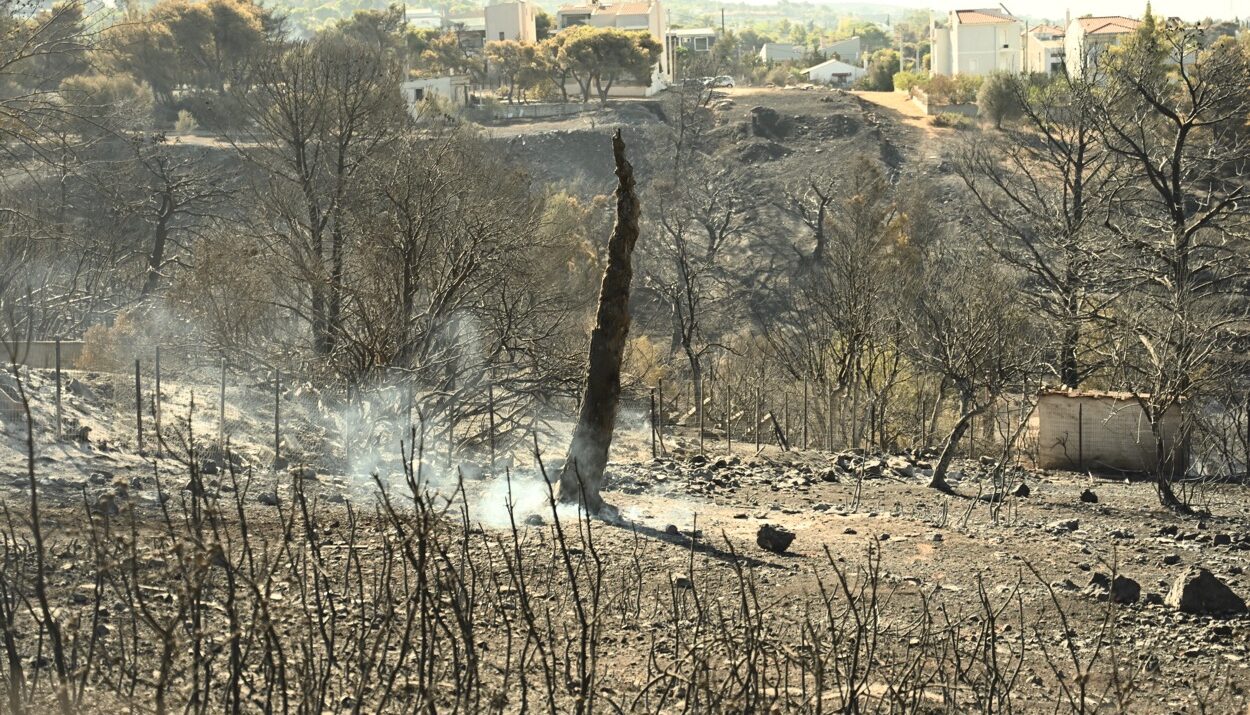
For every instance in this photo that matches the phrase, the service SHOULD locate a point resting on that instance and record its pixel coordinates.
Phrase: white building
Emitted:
(511, 21)
(1043, 50)
(782, 52)
(834, 72)
(977, 42)
(453, 89)
(423, 18)
(1088, 37)
(847, 50)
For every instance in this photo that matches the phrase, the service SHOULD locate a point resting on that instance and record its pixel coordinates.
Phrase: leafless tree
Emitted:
(318, 110)
(1181, 219)
(965, 328)
(1043, 184)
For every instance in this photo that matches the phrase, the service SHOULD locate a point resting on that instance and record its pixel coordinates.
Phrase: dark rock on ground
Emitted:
(774, 538)
(1089, 497)
(1121, 589)
(1022, 490)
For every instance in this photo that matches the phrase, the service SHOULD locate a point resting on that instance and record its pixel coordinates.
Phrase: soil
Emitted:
(690, 523)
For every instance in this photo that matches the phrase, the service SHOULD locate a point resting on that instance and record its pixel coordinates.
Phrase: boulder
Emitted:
(1022, 490)
(774, 538)
(1063, 525)
(1198, 591)
(1089, 497)
(1121, 589)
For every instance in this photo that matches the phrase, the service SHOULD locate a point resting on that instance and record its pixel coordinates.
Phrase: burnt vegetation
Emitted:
(317, 449)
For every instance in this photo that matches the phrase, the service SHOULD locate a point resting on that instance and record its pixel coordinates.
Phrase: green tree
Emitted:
(600, 57)
(999, 98)
(881, 70)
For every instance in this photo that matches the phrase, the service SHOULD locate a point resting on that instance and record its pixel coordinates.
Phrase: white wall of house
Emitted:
(511, 21)
(984, 48)
(452, 88)
(1042, 56)
(834, 72)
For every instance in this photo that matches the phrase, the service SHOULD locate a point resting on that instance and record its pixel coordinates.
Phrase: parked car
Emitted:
(722, 81)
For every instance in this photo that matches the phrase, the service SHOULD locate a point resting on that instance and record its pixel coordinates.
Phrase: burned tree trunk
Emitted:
(582, 475)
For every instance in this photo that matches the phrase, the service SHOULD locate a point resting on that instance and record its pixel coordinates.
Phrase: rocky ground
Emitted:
(1103, 586)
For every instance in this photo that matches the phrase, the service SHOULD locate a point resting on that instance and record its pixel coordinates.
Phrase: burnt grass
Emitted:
(248, 591)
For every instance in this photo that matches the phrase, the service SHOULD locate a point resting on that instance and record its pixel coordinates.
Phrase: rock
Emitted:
(304, 473)
(774, 538)
(672, 530)
(987, 461)
(937, 538)
(1125, 590)
(1198, 591)
(681, 580)
(829, 475)
(1221, 540)
(1153, 599)
(1169, 530)
(1089, 497)
(1171, 559)
(1063, 525)
(268, 498)
(849, 531)
(208, 468)
(535, 520)
(1022, 490)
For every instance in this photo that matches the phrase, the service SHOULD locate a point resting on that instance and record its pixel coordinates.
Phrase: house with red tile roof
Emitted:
(977, 42)
(1087, 38)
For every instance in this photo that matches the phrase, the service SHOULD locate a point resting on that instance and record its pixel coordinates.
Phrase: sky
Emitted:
(1184, 9)
(1054, 9)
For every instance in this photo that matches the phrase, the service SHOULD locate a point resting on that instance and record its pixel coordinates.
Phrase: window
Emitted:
(501, 38)
(418, 94)
(700, 44)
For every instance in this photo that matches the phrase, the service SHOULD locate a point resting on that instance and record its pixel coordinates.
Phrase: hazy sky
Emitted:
(1186, 9)
(1054, 9)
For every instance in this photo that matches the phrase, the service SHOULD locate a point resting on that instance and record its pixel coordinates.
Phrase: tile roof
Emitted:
(982, 17)
(1047, 30)
(1109, 25)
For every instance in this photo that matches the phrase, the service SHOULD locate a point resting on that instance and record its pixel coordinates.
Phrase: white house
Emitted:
(977, 42)
(834, 72)
(453, 89)
(782, 52)
(423, 18)
(1088, 37)
(1043, 50)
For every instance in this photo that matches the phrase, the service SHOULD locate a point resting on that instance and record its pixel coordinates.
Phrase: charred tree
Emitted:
(582, 474)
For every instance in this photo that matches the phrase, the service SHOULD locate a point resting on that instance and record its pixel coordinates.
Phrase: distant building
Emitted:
(453, 89)
(647, 16)
(847, 50)
(1088, 37)
(976, 42)
(782, 52)
(511, 21)
(470, 29)
(423, 18)
(1043, 50)
(834, 72)
(699, 39)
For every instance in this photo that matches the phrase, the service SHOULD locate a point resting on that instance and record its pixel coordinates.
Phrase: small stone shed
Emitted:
(1100, 432)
